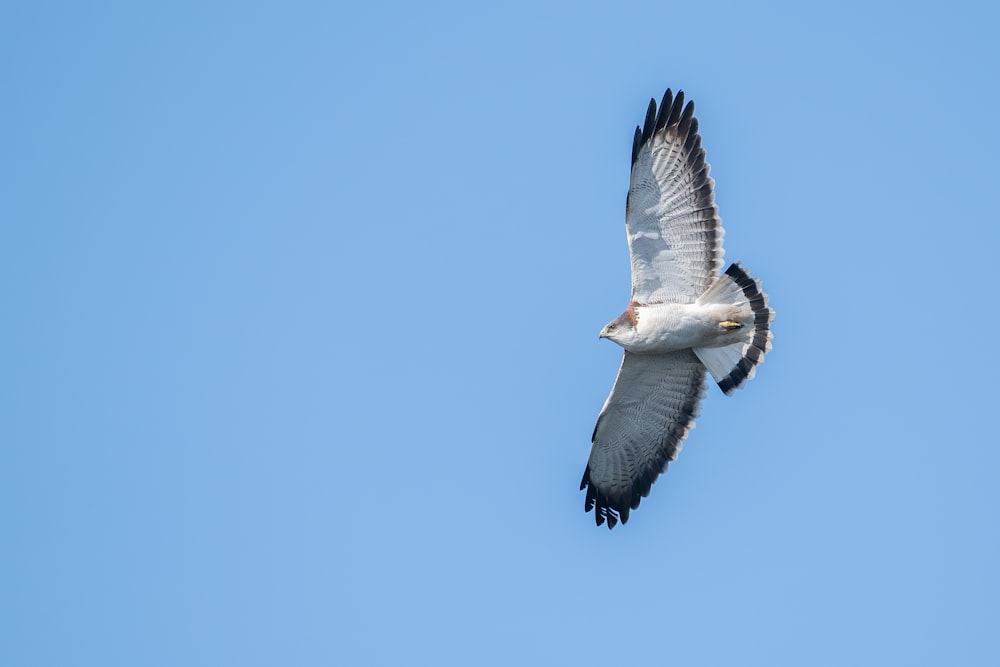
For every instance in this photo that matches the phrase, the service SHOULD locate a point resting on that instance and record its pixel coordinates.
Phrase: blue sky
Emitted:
(300, 359)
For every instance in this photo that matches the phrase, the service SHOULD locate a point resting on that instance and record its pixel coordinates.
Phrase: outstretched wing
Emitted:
(650, 410)
(674, 230)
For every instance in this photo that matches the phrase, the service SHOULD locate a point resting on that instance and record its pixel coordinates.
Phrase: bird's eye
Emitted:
(611, 327)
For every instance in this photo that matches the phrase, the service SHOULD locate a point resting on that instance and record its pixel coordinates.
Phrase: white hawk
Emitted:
(683, 318)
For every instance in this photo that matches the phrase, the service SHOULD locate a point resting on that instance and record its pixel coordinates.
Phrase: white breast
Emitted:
(669, 327)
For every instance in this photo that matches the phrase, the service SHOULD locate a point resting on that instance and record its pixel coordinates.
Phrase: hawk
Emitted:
(683, 317)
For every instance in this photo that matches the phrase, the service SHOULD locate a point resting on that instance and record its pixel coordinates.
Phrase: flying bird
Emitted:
(683, 317)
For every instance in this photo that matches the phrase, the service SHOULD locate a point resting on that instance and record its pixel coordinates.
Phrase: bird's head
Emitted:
(622, 329)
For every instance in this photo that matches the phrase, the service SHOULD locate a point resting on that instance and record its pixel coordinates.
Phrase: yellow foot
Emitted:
(729, 325)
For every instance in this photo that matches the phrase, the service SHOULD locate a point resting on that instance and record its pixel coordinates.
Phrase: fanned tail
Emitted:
(731, 366)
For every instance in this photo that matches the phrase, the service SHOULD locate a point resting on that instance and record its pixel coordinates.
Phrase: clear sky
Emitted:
(299, 340)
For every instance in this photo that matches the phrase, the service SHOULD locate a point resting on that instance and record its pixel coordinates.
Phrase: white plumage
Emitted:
(683, 318)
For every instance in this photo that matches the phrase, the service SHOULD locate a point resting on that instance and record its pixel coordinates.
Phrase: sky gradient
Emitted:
(300, 359)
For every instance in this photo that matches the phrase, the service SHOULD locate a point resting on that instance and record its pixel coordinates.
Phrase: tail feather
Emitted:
(733, 365)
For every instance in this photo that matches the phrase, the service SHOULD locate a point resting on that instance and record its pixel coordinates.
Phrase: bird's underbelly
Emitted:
(671, 327)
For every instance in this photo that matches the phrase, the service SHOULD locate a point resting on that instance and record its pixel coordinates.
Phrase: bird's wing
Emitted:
(651, 408)
(673, 226)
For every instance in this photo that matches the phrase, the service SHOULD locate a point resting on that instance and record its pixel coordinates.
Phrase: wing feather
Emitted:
(673, 226)
(649, 412)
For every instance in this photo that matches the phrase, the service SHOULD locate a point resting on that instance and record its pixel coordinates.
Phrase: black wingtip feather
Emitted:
(606, 509)
(673, 115)
(650, 123)
(684, 124)
(664, 114)
(676, 108)
(636, 143)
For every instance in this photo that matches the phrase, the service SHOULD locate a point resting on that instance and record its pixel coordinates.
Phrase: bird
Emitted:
(684, 317)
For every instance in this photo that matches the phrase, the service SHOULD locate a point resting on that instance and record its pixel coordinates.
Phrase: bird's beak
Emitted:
(603, 334)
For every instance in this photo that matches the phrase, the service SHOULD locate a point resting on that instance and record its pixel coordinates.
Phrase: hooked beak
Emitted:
(603, 334)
